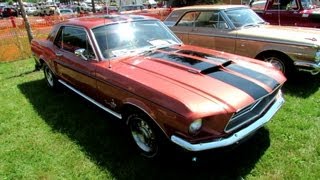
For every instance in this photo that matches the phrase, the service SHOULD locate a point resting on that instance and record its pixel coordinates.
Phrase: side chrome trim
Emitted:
(236, 137)
(91, 100)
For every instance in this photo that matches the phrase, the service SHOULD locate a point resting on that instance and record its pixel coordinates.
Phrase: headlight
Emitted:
(195, 126)
(317, 57)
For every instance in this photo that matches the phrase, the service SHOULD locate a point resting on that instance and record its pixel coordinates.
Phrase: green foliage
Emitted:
(45, 134)
(10, 2)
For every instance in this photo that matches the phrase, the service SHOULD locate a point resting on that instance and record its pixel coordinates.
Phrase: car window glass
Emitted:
(188, 19)
(210, 19)
(283, 5)
(243, 17)
(73, 38)
(117, 40)
(52, 34)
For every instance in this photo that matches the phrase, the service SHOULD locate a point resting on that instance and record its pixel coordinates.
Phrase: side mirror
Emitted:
(80, 52)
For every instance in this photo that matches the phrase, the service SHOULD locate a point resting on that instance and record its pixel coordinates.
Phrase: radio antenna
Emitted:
(106, 36)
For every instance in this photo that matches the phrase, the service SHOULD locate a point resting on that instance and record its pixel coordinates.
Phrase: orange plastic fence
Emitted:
(14, 44)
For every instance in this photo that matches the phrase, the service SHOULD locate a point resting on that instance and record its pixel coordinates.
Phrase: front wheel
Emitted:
(50, 77)
(279, 61)
(144, 135)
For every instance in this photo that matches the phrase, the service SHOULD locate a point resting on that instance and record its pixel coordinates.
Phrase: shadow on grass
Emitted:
(302, 84)
(105, 140)
(22, 74)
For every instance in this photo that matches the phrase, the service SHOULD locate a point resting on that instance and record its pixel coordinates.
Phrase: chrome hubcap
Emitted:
(277, 63)
(143, 135)
(49, 76)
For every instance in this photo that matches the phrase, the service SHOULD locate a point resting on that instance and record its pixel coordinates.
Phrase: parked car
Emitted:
(66, 12)
(30, 10)
(9, 11)
(258, 5)
(131, 7)
(159, 13)
(110, 9)
(237, 29)
(1, 9)
(304, 13)
(46, 10)
(135, 68)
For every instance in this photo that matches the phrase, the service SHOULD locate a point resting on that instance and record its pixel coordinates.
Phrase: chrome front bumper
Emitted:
(236, 137)
(310, 67)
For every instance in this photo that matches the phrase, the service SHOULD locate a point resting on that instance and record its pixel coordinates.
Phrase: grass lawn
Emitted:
(46, 134)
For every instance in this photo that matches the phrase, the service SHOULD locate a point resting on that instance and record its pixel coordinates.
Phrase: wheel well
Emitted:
(281, 54)
(286, 60)
(127, 109)
(41, 62)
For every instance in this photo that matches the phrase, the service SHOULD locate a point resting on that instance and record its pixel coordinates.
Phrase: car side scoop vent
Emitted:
(215, 68)
(206, 67)
(184, 60)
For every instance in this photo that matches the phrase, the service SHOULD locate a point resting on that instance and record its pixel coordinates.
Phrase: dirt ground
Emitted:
(14, 43)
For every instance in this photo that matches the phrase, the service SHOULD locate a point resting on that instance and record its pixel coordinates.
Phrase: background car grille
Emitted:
(252, 112)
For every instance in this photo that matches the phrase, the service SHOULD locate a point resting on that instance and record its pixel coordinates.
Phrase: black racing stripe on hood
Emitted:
(272, 83)
(204, 56)
(254, 90)
(251, 88)
(187, 61)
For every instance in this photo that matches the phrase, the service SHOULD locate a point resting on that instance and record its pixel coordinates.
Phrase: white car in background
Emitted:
(30, 10)
(67, 13)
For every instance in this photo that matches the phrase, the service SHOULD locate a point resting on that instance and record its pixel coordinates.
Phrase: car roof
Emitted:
(94, 21)
(211, 7)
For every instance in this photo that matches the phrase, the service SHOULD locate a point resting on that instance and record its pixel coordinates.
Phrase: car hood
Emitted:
(282, 34)
(204, 81)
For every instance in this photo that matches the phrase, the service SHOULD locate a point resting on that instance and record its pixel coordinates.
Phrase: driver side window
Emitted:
(73, 38)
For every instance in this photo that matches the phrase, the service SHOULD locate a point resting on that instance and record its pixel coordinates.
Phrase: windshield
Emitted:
(244, 17)
(121, 39)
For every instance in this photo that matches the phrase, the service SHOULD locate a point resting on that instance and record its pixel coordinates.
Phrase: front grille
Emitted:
(252, 112)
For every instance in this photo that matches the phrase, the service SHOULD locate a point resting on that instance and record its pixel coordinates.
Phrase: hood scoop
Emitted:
(191, 60)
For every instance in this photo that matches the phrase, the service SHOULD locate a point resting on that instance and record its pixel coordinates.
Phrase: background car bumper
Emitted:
(310, 67)
(236, 137)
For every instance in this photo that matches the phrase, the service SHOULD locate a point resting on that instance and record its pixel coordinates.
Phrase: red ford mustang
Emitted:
(135, 68)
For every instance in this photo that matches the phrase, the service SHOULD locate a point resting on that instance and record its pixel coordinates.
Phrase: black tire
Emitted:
(280, 61)
(145, 135)
(50, 78)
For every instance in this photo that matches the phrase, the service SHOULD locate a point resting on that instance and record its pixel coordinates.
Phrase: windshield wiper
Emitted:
(262, 22)
(251, 25)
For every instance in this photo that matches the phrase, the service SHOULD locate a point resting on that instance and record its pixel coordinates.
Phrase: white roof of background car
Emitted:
(219, 7)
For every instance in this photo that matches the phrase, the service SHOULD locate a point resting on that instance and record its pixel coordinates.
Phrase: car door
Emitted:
(77, 69)
(283, 12)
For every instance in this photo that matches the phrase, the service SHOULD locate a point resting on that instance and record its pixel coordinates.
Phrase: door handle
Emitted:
(58, 54)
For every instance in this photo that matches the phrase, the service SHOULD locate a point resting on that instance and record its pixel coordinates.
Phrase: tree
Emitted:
(26, 20)
(93, 6)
